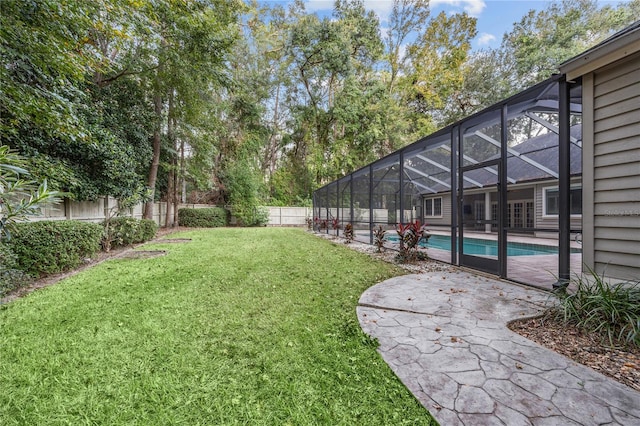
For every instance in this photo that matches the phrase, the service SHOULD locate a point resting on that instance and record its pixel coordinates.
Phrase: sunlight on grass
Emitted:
(238, 326)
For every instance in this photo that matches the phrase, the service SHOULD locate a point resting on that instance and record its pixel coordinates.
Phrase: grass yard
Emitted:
(239, 326)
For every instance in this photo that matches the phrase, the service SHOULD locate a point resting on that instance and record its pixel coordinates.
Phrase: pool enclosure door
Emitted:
(479, 216)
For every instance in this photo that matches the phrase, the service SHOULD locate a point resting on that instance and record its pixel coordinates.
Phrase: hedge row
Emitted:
(124, 231)
(203, 218)
(11, 277)
(49, 247)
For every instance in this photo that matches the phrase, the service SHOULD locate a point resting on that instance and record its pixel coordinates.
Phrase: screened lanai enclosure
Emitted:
(499, 191)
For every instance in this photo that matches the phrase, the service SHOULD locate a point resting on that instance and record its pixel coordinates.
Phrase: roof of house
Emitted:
(621, 44)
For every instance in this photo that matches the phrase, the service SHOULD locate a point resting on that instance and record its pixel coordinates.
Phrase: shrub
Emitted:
(251, 216)
(124, 231)
(203, 218)
(612, 310)
(410, 235)
(243, 183)
(379, 234)
(348, 233)
(11, 278)
(148, 230)
(50, 247)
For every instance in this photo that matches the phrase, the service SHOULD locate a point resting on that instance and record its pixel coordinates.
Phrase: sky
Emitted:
(495, 17)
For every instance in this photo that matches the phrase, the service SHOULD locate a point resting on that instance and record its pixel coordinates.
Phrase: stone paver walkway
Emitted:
(444, 334)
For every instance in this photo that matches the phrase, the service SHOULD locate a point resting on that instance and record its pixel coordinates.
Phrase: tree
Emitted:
(58, 109)
(326, 55)
(485, 81)
(191, 41)
(407, 18)
(542, 40)
(42, 51)
(437, 60)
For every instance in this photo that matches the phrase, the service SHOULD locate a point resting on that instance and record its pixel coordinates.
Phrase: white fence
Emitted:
(99, 210)
(289, 216)
(96, 211)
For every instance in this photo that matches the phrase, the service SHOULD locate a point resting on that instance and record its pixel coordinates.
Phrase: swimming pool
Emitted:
(481, 247)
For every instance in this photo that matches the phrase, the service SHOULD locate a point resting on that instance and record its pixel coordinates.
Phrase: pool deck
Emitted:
(538, 270)
(445, 336)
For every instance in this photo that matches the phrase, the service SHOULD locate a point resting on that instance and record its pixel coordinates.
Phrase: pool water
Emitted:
(481, 247)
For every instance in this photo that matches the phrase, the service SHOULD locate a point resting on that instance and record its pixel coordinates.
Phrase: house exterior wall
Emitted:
(540, 221)
(445, 219)
(551, 222)
(611, 105)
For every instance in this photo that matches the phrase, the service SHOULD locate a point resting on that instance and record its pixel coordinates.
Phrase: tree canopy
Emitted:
(245, 103)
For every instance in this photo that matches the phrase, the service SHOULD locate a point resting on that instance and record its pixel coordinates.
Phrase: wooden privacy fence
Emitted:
(289, 216)
(99, 210)
(96, 211)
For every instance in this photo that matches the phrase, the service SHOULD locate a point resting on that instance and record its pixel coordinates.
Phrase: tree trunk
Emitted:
(183, 186)
(155, 162)
(176, 199)
(171, 187)
(168, 220)
(271, 152)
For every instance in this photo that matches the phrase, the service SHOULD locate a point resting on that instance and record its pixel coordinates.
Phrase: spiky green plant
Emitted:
(612, 310)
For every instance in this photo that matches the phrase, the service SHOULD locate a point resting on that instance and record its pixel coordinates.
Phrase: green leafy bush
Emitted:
(124, 231)
(148, 230)
(243, 186)
(251, 215)
(203, 218)
(613, 310)
(49, 247)
(11, 278)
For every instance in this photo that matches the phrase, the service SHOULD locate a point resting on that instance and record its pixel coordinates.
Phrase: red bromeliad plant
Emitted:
(410, 234)
(348, 233)
(378, 235)
(320, 223)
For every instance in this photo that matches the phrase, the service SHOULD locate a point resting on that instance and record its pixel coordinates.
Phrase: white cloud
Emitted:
(472, 7)
(382, 8)
(485, 39)
(318, 5)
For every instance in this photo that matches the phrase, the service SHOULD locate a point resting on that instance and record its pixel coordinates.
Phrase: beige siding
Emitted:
(618, 102)
(551, 222)
(630, 155)
(616, 169)
(446, 211)
(615, 195)
(618, 233)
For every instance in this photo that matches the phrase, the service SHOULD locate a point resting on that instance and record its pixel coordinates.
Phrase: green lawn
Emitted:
(239, 326)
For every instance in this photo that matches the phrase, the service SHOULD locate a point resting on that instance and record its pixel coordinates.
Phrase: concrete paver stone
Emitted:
(445, 335)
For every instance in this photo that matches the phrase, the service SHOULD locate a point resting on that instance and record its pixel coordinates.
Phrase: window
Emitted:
(551, 201)
(433, 207)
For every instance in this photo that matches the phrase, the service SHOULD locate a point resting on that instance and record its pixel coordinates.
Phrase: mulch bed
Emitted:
(621, 364)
